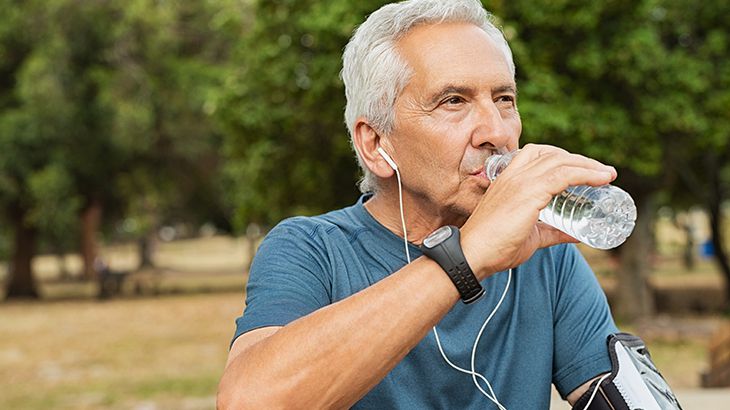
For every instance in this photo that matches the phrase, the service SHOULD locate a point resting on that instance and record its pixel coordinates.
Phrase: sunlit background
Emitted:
(146, 146)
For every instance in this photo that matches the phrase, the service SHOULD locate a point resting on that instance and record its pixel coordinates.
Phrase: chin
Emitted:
(465, 206)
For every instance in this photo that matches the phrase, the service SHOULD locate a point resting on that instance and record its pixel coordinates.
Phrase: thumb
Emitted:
(550, 236)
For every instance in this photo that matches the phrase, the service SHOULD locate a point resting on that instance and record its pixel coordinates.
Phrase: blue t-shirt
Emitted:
(551, 328)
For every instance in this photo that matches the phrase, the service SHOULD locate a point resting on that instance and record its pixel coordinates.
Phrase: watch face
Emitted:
(438, 236)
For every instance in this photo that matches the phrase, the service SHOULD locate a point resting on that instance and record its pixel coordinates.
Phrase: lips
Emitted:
(479, 173)
(478, 169)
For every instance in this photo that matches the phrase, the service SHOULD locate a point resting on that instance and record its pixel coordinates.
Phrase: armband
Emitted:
(634, 381)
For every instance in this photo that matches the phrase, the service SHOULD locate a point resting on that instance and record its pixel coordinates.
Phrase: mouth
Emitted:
(479, 173)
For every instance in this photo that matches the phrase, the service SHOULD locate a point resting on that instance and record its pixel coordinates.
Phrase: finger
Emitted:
(536, 191)
(553, 179)
(541, 158)
(531, 153)
(556, 160)
(559, 179)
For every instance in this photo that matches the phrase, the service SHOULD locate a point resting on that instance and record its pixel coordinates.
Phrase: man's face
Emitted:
(458, 108)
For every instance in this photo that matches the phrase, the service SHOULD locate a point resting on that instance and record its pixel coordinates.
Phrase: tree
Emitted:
(286, 146)
(698, 159)
(170, 59)
(104, 108)
(23, 140)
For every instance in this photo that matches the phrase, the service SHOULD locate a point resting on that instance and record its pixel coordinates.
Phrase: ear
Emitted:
(367, 141)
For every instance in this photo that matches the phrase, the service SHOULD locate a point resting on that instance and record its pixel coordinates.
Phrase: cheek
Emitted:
(445, 154)
(434, 149)
(517, 123)
(434, 165)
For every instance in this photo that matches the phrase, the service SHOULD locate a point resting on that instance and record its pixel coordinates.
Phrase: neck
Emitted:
(421, 217)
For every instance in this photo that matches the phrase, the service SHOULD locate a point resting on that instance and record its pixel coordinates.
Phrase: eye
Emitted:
(506, 99)
(452, 100)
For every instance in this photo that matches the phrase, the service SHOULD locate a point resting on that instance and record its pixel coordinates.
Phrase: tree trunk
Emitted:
(90, 223)
(253, 234)
(634, 299)
(21, 283)
(688, 256)
(146, 246)
(63, 272)
(715, 211)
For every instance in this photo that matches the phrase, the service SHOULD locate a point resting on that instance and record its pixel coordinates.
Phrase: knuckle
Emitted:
(555, 177)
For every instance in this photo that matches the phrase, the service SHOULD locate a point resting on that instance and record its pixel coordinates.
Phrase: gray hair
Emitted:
(375, 74)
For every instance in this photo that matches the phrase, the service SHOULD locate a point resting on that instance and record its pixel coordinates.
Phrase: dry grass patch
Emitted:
(115, 354)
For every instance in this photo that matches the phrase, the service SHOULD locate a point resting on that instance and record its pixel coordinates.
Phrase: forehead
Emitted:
(453, 53)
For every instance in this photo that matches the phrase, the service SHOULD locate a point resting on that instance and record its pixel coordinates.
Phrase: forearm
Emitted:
(332, 357)
(575, 394)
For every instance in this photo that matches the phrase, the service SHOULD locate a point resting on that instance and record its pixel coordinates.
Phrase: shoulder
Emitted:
(296, 227)
(335, 225)
(557, 259)
(562, 270)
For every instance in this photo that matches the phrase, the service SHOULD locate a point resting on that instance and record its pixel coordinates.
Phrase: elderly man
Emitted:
(346, 310)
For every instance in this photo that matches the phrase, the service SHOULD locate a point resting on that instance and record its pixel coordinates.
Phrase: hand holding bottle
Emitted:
(504, 229)
(601, 217)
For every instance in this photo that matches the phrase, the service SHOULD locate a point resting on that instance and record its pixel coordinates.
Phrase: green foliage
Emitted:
(698, 38)
(53, 125)
(110, 101)
(286, 145)
(113, 100)
(632, 83)
(585, 73)
(170, 59)
(54, 185)
(616, 81)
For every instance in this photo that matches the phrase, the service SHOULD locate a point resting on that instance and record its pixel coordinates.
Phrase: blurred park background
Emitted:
(147, 145)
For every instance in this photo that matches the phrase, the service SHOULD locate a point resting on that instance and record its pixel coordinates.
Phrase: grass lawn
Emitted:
(125, 353)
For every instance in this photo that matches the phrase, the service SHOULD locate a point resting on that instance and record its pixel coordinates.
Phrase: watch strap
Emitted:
(449, 255)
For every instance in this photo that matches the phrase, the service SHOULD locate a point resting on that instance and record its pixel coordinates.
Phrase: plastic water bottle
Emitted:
(601, 217)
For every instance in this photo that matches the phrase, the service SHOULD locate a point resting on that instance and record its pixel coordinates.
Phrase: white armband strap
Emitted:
(634, 382)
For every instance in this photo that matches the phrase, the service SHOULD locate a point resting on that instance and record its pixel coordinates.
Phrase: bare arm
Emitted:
(575, 394)
(334, 356)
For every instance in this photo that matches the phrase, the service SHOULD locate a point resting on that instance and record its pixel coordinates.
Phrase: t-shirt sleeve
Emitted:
(287, 279)
(582, 323)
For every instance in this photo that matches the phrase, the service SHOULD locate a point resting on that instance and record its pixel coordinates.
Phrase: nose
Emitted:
(494, 128)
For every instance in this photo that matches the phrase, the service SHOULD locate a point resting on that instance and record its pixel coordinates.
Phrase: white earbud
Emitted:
(387, 158)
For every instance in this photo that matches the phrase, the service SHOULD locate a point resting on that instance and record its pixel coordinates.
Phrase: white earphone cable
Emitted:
(402, 217)
(593, 395)
(479, 336)
(491, 397)
(472, 372)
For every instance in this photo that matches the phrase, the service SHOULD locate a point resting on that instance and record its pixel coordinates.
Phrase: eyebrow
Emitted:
(455, 89)
(449, 89)
(507, 88)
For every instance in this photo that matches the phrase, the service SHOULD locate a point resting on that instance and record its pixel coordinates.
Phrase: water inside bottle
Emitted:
(601, 217)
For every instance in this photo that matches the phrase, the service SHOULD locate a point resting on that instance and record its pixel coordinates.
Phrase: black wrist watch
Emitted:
(444, 247)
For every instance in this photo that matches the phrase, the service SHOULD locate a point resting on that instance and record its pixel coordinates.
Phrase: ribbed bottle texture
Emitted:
(601, 217)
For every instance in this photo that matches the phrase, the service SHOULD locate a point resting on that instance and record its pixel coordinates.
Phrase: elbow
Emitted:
(236, 394)
(233, 395)
(226, 398)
